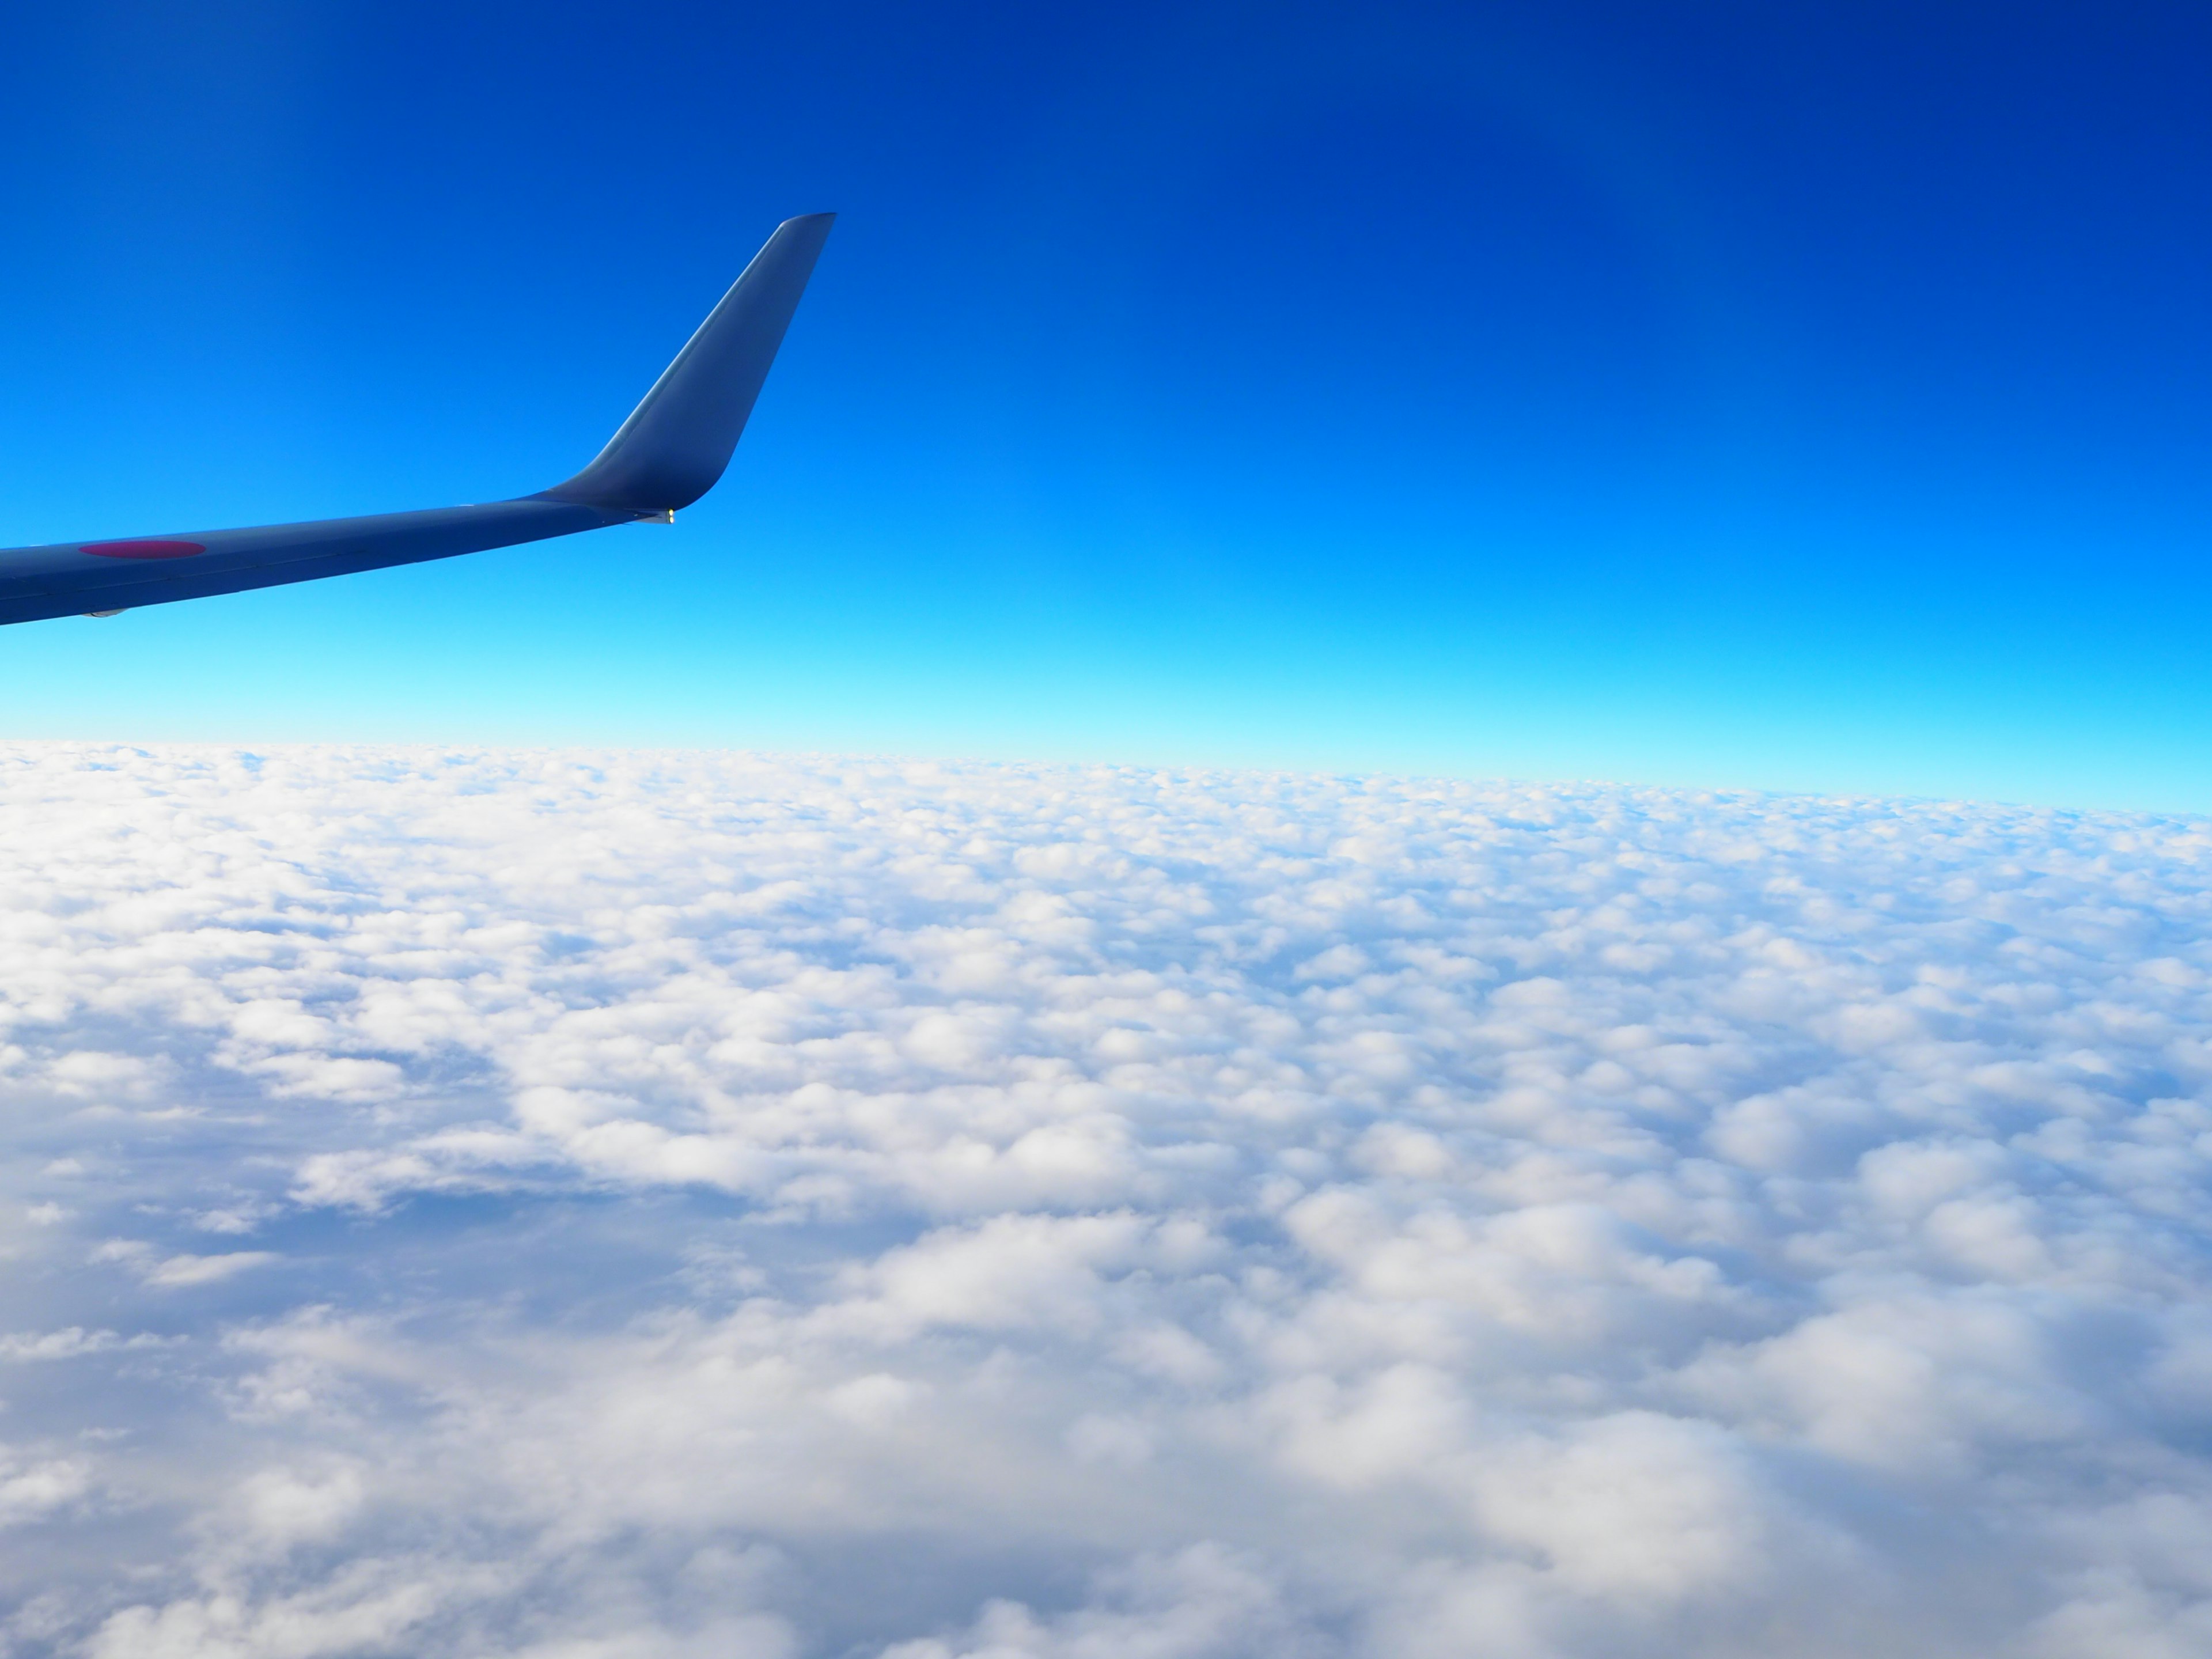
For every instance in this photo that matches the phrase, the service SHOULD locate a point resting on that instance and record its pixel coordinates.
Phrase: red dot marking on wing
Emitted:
(154, 549)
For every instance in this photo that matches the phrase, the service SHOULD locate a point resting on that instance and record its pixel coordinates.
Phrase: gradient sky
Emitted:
(1814, 396)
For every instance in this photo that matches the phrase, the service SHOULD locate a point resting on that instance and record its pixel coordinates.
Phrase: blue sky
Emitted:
(1807, 397)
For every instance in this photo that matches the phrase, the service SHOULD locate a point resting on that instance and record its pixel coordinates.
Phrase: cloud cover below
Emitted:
(611, 1207)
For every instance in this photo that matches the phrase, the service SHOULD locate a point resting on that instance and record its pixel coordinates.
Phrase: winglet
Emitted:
(677, 442)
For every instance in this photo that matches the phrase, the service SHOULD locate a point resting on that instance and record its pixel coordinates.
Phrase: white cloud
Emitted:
(1201, 1604)
(793, 1208)
(32, 1488)
(182, 1269)
(69, 1343)
(205, 1269)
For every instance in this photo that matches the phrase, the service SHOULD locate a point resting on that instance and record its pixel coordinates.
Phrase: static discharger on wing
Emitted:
(668, 454)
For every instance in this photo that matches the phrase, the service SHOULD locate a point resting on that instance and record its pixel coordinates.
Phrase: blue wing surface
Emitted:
(668, 453)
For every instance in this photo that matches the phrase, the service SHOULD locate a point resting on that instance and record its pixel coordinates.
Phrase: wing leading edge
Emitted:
(667, 454)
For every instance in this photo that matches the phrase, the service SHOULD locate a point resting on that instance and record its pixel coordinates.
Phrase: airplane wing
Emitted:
(667, 454)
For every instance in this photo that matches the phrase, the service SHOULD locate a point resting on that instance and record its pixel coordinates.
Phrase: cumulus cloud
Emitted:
(30, 1488)
(685, 1205)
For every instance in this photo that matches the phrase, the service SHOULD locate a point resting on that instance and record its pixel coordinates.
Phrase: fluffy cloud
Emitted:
(619, 1207)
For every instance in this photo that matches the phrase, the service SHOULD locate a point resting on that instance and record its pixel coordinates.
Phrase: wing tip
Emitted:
(677, 441)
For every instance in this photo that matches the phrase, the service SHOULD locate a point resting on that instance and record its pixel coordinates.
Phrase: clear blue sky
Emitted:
(1806, 397)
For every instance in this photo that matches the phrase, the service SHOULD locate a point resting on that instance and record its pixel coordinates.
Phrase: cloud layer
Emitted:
(620, 1206)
